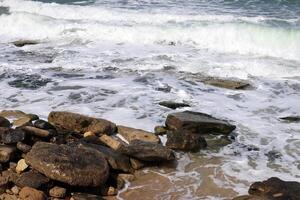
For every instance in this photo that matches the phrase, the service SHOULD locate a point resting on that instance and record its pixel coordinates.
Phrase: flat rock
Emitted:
(83, 196)
(148, 151)
(36, 131)
(276, 189)
(131, 134)
(72, 165)
(80, 123)
(11, 136)
(28, 193)
(32, 179)
(6, 153)
(227, 83)
(173, 105)
(179, 140)
(23, 121)
(21, 43)
(196, 122)
(4, 122)
(291, 119)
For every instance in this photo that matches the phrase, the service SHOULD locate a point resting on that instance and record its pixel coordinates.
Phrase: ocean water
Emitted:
(117, 59)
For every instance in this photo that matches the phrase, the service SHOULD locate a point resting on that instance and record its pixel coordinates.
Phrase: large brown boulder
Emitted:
(200, 123)
(131, 134)
(148, 151)
(72, 165)
(81, 123)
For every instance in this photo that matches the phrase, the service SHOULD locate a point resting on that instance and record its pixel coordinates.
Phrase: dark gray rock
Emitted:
(200, 123)
(32, 179)
(180, 140)
(4, 122)
(42, 124)
(173, 105)
(80, 123)
(21, 43)
(291, 119)
(72, 165)
(11, 136)
(148, 151)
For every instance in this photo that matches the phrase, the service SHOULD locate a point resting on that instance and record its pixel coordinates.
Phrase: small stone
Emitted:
(23, 147)
(32, 179)
(136, 164)
(11, 136)
(24, 121)
(21, 43)
(160, 130)
(89, 133)
(173, 105)
(227, 83)
(37, 132)
(6, 153)
(21, 166)
(15, 190)
(57, 192)
(4, 122)
(131, 134)
(28, 193)
(291, 119)
(126, 177)
(42, 124)
(109, 191)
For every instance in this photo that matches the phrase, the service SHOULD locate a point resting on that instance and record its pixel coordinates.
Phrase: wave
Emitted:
(222, 34)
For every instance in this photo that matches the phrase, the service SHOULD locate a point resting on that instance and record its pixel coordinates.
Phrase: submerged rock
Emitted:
(26, 81)
(21, 43)
(273, 189)
(131, 134)
(227, 83)
(72, 165)
(195, 122)
(148, 151)
(173, 105)
(80, 123)
(4, 122)
(180, 140)
(291, 119)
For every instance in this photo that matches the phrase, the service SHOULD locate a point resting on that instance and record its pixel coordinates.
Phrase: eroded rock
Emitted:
(131, 134)
(180, 140)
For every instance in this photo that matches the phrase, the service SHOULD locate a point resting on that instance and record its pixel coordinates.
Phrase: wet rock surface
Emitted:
(227, 83)
(131, 134)
(4, 122)
(173, 105)
(25, 81)
(72, 165)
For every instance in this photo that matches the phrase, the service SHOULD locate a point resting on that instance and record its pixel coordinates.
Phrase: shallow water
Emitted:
(118, 59)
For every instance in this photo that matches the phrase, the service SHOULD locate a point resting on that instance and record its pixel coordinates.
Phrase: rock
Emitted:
(72, 165)
(42, 124)
(8, 176)
(15, 190)
(6, 153)
(83, 196)
(109, 191)
(226, 83)
(21, 166)
(148, 151)
(115, 159)
(32, 179)
(29, 81)
(57, 192)
(4, 122)
(131, 134)
(180, 140)
(291, 119)
(250, 197)
(80, 123)
(160, 130)
(23, 121)
(21, 43)
(126, 177)
(136, 164)
(6, 196)
(12, 114)
(37, 132)
(28, 193)
(173, 105)
(23, 147)
(215, 142)
(111, 142)
(89, 133)
(196, 122)
(276, 189)
(11, 136)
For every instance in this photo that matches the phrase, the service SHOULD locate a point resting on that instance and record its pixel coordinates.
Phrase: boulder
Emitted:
(148, 151)
(28, 193)
(131, 134)
(227, 83)
(6, 153)
(37, 132)
(173, 105)
(80, 123)
(32, 179)
(11, 136)
(180, 140)
(277, 189)
(4, 122)
(72, 165)
(200, 123)
(57, 192)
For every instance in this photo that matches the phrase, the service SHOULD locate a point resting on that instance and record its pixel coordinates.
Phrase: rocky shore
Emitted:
(72, 156)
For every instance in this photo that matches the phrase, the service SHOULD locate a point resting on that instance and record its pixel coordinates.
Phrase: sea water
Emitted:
(117, 59)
